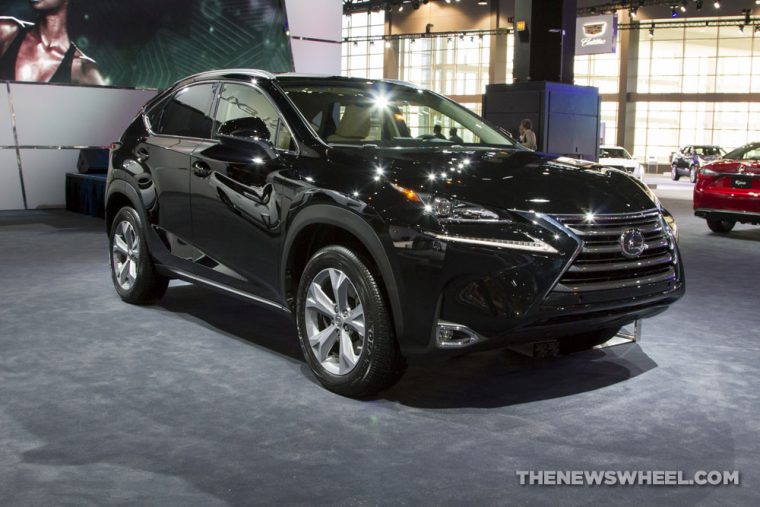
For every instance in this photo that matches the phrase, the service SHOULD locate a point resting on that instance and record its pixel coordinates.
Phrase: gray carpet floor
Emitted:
(204, 400)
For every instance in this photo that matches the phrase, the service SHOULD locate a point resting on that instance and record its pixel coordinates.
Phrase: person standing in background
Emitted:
(43, 52)
(527, 136)
(453, 137)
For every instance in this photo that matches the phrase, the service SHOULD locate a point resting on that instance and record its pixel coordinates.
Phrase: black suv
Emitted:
(691, 158)
(387, 219)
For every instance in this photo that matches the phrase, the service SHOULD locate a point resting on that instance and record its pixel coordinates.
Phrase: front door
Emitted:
(234, 197)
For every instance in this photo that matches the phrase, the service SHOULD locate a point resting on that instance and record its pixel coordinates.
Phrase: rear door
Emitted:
(178, 126)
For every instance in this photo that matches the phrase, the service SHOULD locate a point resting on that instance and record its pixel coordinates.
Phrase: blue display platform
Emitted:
(85, 193)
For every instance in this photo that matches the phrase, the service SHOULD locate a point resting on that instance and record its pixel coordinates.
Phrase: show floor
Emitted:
(204, 400)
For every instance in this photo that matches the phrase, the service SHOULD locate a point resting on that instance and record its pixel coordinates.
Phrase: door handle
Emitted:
(142, 153)
(201, 169)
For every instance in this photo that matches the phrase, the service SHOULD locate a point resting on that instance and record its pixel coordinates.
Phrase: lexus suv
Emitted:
(342, 203)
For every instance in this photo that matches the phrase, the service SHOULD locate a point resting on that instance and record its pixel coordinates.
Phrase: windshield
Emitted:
(708, 151)
(613, 153)
(389, 115)
(748, 152)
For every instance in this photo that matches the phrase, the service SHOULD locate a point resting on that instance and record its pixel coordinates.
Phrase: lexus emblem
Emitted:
(632, 243)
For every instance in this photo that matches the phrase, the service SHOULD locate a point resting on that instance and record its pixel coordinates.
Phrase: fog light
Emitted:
(450, 335)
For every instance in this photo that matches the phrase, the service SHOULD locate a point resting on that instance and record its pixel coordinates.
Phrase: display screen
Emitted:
(138, 43)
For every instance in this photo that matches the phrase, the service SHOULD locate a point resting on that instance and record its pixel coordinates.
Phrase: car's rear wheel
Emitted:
(674, 172)
(693, 174)
(720, 226)
(132, 271)
(584, 341)
(344, 325)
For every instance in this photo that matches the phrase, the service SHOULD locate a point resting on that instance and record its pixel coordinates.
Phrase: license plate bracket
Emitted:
(741, 182)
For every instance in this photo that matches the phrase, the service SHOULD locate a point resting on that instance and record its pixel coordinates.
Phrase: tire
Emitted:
(674, 173)
(585, 341)
(132, 271)
(720, 226)
(343, 360)
(693, 174)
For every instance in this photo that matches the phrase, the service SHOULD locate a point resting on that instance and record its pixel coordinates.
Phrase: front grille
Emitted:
(601, 264)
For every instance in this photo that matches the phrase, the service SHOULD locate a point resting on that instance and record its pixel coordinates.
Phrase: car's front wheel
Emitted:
(344, 325)
(674, 172)
(720, 226)
(693, 173)
(132, 271)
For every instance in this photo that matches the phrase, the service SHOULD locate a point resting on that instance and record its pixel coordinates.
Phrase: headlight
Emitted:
(671, 222)
(449, 211)
(461, 216)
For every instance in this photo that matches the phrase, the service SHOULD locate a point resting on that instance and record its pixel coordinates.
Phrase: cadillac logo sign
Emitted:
(596, 35)
(593, 33)
(632, 243)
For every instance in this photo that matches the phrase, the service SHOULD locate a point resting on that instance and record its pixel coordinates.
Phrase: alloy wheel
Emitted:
(334, 317)
(126, 254)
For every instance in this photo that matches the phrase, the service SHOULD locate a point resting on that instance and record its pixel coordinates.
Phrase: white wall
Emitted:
(52, 123)
(316, 32)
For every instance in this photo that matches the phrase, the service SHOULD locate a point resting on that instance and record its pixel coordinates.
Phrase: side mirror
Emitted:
(248, 133)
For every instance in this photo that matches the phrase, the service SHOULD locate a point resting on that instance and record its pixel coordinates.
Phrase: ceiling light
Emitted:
(716, 4)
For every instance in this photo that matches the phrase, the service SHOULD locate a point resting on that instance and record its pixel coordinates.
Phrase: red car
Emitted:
(728, 190)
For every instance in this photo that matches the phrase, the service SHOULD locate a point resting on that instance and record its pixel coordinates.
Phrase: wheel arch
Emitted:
(120, 194)
(308, 232)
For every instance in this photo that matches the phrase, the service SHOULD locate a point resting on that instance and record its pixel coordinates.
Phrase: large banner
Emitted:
(596, 35)
(138, 43)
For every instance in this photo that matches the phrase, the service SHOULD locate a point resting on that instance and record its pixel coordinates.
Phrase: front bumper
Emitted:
(494, 298)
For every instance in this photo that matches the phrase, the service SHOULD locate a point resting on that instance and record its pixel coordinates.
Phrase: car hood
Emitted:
(506, 179)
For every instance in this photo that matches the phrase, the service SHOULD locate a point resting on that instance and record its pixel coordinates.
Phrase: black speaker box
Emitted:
(93, 161)
(545, 49)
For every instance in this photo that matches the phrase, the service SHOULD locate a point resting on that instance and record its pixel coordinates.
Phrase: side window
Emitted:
(245, 111)
(155, 113)
(187, 113)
